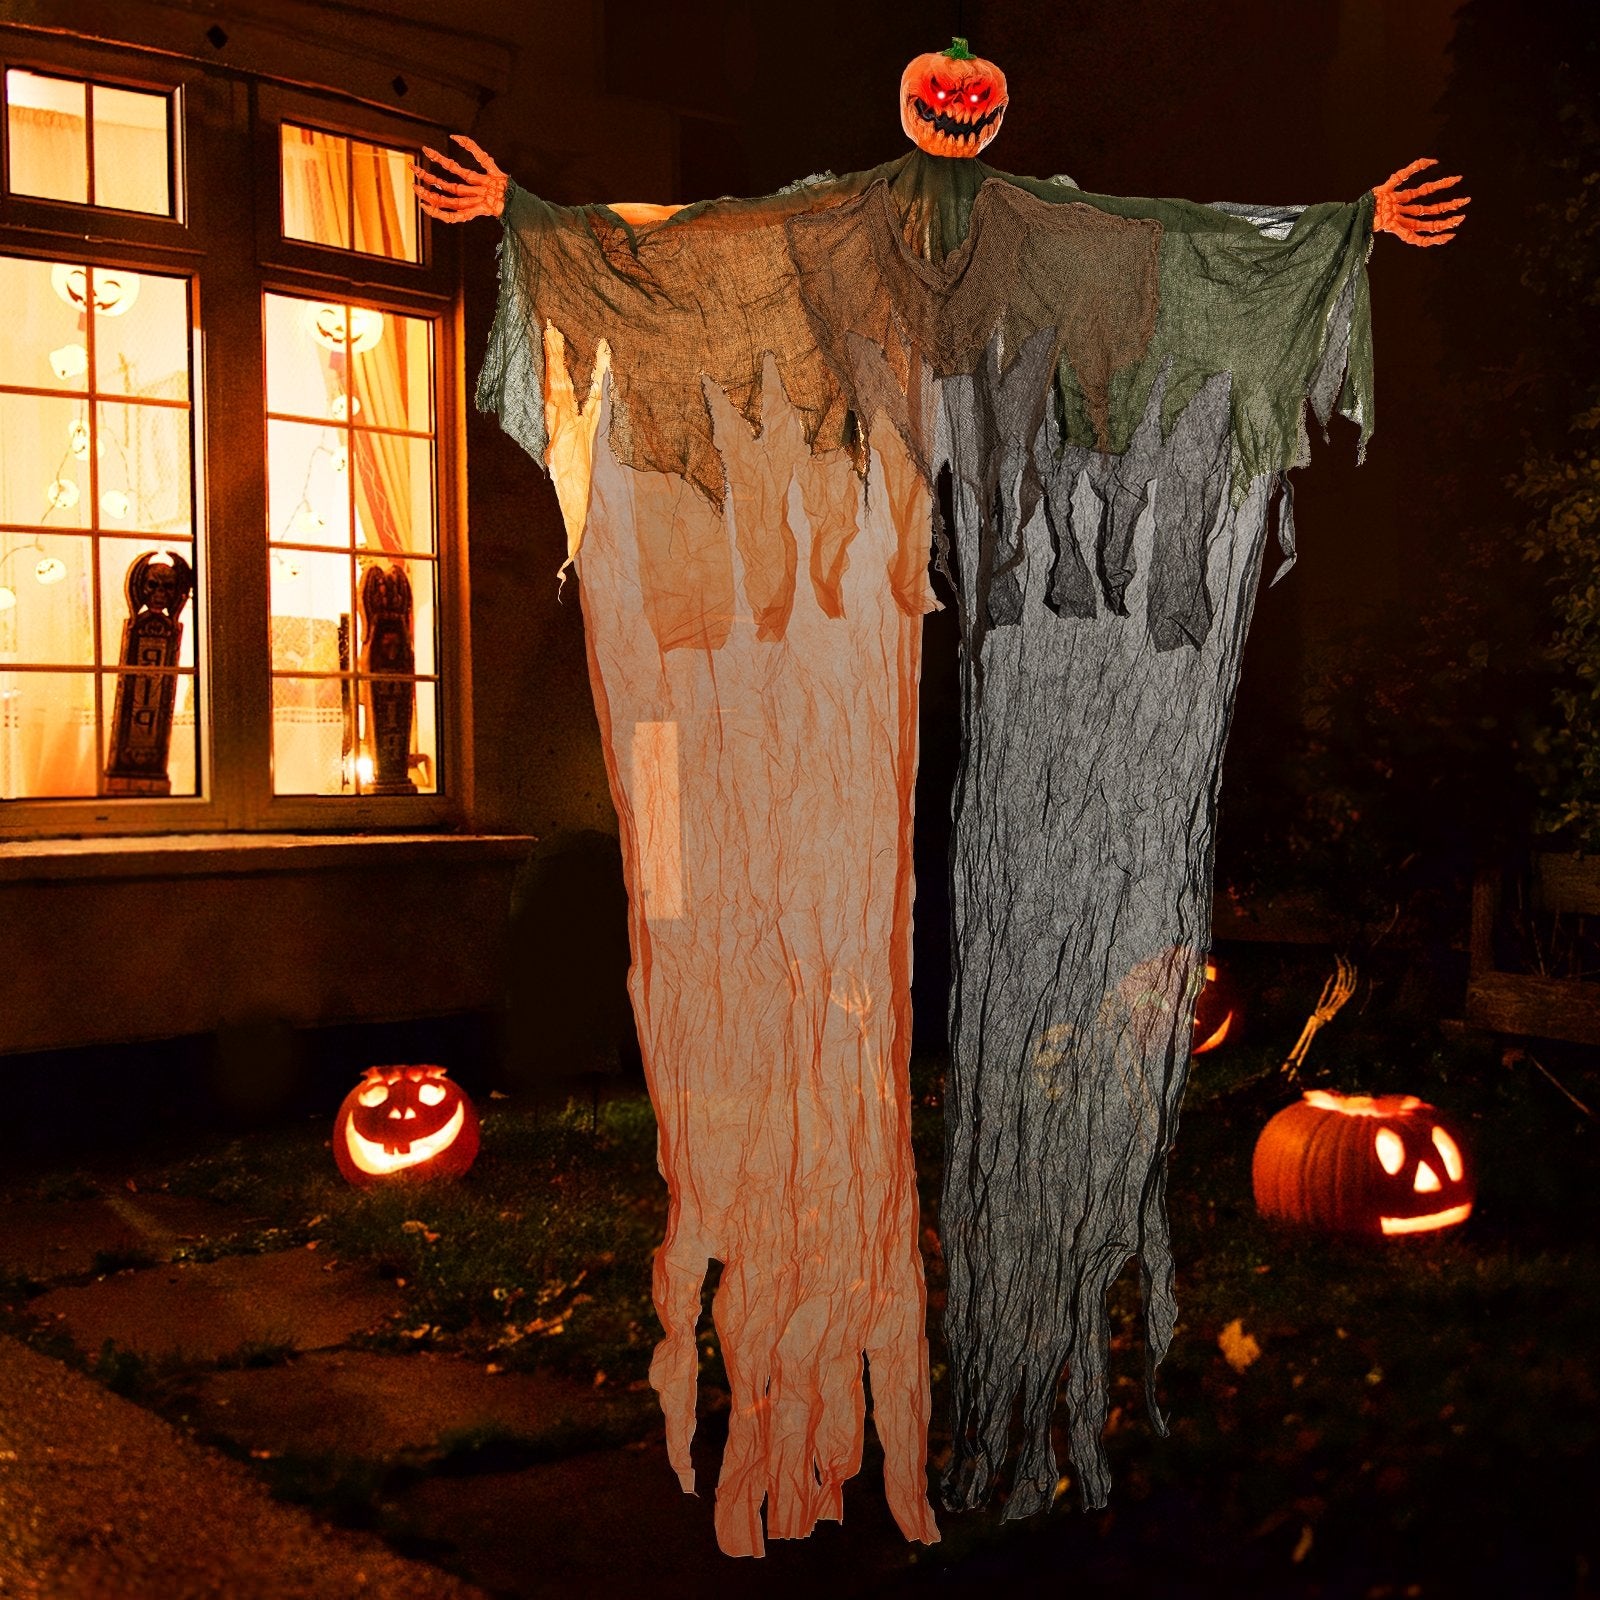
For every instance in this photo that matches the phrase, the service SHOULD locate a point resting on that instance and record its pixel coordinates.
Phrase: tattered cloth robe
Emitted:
(745, 407)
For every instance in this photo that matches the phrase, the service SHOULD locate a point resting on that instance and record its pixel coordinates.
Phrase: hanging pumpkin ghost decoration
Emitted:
(404, 1123)
(951, 101)
(1377, 1166)
(1215, 1011)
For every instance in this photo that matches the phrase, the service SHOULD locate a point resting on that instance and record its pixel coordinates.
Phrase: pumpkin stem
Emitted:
(958, 51)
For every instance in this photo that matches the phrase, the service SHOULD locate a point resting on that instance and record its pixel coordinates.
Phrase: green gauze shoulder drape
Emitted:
(745, 409)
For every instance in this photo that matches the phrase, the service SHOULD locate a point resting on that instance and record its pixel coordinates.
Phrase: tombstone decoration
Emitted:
(158, 588)
(745, 406)
(388, 659)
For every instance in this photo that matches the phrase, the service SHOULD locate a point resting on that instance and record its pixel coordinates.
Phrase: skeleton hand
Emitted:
(475, 194)
(1399, 214)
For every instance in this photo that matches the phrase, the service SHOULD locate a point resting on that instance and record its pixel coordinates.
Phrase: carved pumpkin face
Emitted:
(404, 1122)
(1215, 1012)
(1357, 1164)
(951, 101)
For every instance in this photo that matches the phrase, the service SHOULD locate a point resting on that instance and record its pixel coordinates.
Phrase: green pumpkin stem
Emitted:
(958, 51)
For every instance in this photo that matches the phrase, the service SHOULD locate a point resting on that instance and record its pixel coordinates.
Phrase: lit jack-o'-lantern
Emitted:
(952, 102)
(1215, 1011)
(405, 1122)
(1358, 1164)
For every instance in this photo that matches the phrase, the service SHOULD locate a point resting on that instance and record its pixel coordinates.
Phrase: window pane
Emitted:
(131, 150)
(44, 461)
(184, 748)
(366, 496)
(48, 619)
(312, 737)
(392, 375)
(107, 467)
(316, 186)
(424, 759)
(420, 575)
(306, 358)
(117, 557)
(48, 137)
(47, 743)
(394, 493)
(308, 489)
(385, 207)
(43, 343)
(311, 610)
(141, 335)
(144, 469)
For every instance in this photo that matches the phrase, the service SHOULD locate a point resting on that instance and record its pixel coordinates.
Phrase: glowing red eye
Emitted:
(973, 98)
(939, 93)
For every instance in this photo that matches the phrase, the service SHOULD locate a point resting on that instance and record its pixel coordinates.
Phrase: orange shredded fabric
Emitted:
(770, 920)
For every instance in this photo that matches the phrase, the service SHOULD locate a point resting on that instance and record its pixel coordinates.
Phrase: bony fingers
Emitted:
(478, 154)
(451, 166)
(1455, 203)
(1426, 188)
(1439, 225)
(1406, 171)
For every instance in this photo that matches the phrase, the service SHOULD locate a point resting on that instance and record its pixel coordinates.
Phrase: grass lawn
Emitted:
(1417, 1416)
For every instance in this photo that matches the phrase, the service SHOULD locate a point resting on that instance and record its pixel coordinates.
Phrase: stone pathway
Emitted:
(533, 1483)
(46, 1239)
(100, 1499)
(209, 1311)
(378, 1406)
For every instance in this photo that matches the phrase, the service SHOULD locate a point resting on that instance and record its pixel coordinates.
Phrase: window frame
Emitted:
(232, 249)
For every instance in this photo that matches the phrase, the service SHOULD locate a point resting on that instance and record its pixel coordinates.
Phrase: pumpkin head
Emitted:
(951, 101)
(1215, 1011)
(404, 1122)
(1358, 1164)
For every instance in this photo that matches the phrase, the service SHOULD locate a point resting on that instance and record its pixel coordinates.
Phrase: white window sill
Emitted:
(201, 855)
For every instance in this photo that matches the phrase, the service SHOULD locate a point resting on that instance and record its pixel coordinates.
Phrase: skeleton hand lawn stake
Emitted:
(1335, 992)
(744, 405)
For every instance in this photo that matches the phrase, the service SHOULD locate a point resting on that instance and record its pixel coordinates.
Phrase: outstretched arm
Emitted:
(464, 194)
(1399, 213)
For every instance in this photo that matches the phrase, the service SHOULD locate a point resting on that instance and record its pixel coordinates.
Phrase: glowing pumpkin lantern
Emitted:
(1360, 1164)
(952, 102)
(404, 1123)
(1215, 1011)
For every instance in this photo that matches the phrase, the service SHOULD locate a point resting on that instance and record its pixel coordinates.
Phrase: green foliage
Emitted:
(1562, 488)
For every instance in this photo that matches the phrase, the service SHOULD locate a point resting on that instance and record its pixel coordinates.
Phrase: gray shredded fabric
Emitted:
(1081, 857)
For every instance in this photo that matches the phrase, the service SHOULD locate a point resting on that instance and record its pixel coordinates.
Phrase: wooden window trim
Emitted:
(234, 258)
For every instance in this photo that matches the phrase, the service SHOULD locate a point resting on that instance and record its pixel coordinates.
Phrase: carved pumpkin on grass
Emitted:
(406, 1123)
(1215, 1011)
(1360, 1164)
(952, 102)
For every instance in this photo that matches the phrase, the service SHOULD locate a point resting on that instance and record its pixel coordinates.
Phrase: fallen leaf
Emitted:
(1239, 1349)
